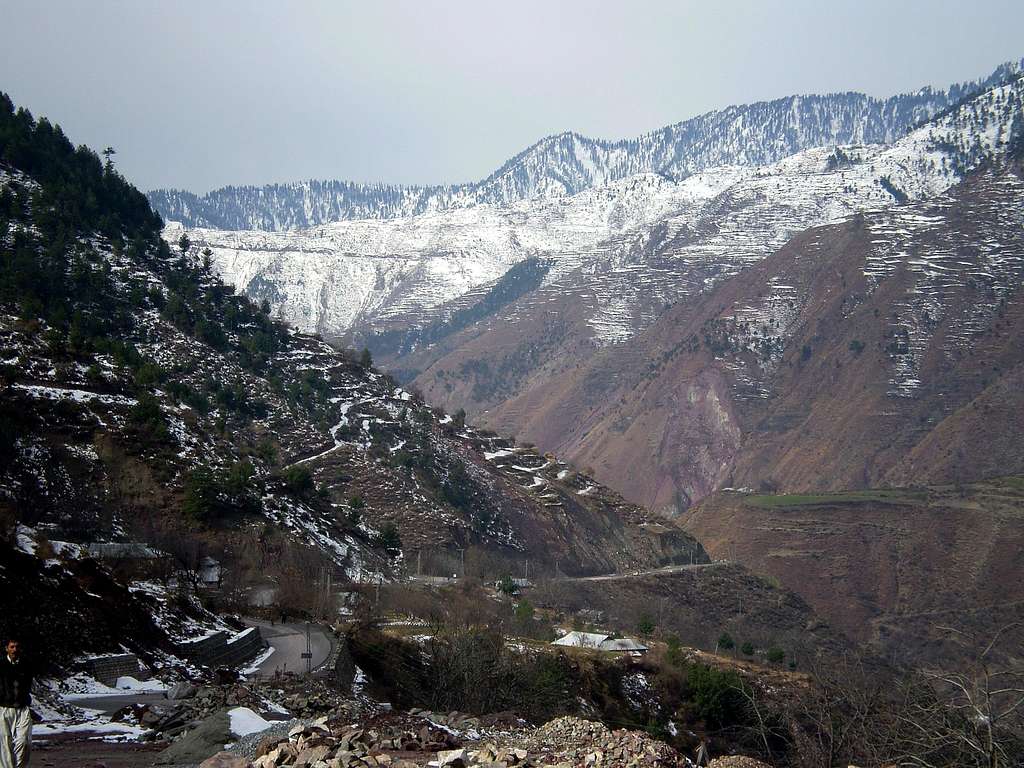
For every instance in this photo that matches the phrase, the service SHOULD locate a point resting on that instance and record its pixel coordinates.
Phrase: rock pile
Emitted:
(455, 720)
(572, 741)
(567, 742)
(307, 698)
(187, 704)
(312, 703)
(737, 761)
(350, 746)
(351, 735)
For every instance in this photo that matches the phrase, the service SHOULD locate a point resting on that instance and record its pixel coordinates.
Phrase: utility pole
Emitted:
(308, 655)
(419, 562)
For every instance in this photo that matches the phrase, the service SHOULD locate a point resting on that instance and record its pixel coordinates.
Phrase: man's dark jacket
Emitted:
(15, 683)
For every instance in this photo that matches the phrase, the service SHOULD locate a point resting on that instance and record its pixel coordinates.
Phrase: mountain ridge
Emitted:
(629, 247)
(568, 162)
(887, 308)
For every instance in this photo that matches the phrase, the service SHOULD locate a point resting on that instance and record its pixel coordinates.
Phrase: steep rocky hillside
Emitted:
(568, 163)
(204, 414)
(142, 400)
(552, 354)
(882, 350)
(537, 367)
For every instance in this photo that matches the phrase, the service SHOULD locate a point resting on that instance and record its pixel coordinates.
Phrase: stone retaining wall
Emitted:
(107, 669)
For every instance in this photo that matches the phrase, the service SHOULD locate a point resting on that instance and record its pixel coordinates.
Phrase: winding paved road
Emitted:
(289, 643)
(287, 640)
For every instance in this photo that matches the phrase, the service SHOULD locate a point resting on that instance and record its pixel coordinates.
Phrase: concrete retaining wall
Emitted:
(223, 649)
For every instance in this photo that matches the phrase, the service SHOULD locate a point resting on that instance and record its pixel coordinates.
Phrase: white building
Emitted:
(581, 640)
(600, 642)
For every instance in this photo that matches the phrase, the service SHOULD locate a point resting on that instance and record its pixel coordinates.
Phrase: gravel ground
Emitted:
(83, 753)
(246, 746)
(70, 752)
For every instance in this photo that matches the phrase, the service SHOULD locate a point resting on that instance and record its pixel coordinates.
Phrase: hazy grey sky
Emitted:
(203, 94)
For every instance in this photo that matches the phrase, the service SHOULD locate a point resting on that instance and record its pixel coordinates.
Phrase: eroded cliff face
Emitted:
(668, 446)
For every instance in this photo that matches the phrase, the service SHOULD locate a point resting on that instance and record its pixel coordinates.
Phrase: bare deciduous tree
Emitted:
(973, 717)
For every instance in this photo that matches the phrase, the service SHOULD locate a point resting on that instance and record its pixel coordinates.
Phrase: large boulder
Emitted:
(202, 742)
(182, 690)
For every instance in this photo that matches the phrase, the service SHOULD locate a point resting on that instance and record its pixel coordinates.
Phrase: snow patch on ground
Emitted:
(134, 685)
(81, 686)
(244, 721)
(102, 729)
(256, 663)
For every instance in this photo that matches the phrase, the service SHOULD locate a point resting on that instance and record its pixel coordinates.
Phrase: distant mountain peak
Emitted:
(567, 163)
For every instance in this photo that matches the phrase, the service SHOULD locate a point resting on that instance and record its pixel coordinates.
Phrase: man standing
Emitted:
(15, 715)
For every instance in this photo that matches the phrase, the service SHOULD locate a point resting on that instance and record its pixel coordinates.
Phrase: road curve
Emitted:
(638, 574)
(289, 643)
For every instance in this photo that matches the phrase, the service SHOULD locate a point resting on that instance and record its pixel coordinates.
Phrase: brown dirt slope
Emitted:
(849, 358)
(700, 603)
(893, 568)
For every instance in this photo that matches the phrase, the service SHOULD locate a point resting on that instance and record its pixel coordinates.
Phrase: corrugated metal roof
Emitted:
(600, 642)
(581, 640)
(623, 644)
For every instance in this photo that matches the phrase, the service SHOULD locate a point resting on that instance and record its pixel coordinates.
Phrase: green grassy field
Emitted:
(1016, 483)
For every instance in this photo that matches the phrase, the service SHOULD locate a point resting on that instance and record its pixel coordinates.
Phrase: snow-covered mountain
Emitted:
(568, 163)
(332, 277)
(635, 244)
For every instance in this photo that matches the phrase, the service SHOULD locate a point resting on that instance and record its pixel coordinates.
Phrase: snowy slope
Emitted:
(630, 282)
(636, 244)
(331, 277)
